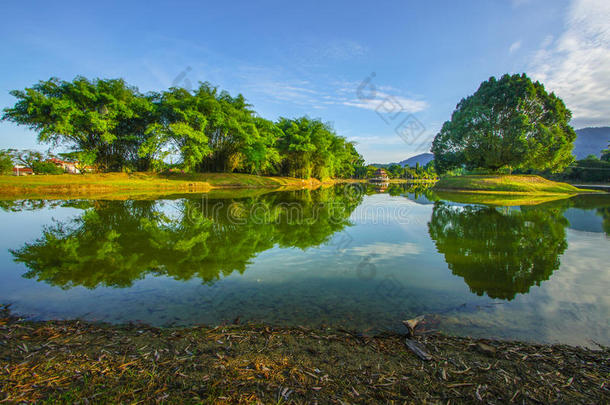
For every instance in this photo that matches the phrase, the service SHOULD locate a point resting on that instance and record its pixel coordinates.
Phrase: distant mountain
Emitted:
(423, 159)
(591, 141)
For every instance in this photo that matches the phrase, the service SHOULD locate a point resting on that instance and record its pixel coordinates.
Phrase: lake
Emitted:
(352, 256)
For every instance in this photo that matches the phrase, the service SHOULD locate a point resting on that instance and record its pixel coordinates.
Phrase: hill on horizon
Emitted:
(423, 159)
(591, 141)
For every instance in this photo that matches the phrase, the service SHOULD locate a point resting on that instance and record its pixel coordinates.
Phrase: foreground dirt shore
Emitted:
(79, 362)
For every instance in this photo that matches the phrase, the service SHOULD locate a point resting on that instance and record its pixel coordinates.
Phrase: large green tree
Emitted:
(106, 117)
(311, 148)
(240, 141)
(178, 128)
(114, 126)
(507, 123)
(6, 162)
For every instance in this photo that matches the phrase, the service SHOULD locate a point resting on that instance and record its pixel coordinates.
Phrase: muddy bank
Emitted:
(80, 362)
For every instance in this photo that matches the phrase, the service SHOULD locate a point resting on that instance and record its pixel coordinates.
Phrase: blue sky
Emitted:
(311, 58)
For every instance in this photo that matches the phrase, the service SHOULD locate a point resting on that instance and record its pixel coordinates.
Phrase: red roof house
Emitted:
(22, 171)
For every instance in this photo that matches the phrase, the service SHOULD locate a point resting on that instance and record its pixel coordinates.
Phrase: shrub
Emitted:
(6, 163)
(40, 167)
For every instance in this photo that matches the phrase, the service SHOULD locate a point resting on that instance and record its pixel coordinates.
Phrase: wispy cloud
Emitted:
(576, 66)
(295, 92)
(384, 98)
(514, 47)
(390, 101)
(332, 93)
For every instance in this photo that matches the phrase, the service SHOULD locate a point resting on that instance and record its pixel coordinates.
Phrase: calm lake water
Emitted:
(348, 256)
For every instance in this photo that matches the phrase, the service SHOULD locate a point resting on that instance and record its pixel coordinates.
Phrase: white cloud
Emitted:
(387, 103)
(297, 93)
(514, 47)
(576, 66)
(336, 93)
(369, 95)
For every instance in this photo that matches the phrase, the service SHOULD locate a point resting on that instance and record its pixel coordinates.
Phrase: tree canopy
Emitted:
(6, 162)
(606, 154)
(507, 123)
(117, 127)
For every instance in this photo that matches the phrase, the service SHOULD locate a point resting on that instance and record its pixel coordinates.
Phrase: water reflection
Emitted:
(424, 252)
(35, 205)
(596, 206)
(113, 243)
(500, 252)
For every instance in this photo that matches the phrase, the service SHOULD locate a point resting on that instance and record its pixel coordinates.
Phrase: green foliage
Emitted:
(106, 117)
(26, 157)
(35, 160)
(606, 154)
(370, 171)
(206, 129)
(507, 123)
(179, 127)
(311, 148)
(396, 171)
(6, 162)
(360, 172)
(590, 169)
(40, 167)
(235, 140)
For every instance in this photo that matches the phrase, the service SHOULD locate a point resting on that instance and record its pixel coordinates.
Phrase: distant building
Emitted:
(69, 167)
(20, 170)
(381, 173)
(380, 176)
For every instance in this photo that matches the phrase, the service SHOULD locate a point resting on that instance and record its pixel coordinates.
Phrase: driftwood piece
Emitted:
(485, 348)
(411, 324)
(418, 349)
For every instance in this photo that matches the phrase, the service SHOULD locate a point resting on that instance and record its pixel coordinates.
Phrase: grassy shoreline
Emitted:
(507, 184)
(138, 184)
(75, 361)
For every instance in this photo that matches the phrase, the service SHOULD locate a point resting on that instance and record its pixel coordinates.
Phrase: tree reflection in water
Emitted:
(113, 243)
(498, 251)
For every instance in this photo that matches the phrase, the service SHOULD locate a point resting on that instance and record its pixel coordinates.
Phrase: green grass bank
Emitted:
(136, 184)
(513, 184)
